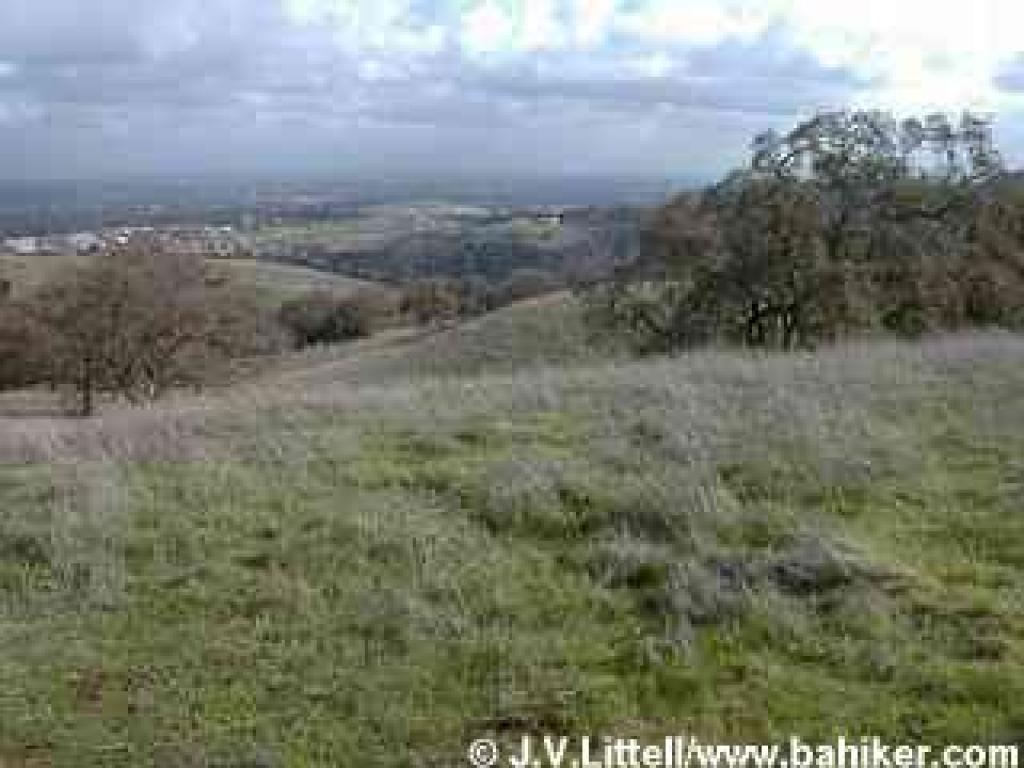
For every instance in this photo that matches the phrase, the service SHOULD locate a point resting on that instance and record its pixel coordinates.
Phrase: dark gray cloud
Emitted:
(128, 86)
(728, 77)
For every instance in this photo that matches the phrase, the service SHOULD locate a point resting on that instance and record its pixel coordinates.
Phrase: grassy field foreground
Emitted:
(376, 571)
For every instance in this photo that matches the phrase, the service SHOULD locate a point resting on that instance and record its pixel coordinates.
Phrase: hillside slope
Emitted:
(26, 273)
(376, 569)
(537, 333)
(266, 281)
(274, 283)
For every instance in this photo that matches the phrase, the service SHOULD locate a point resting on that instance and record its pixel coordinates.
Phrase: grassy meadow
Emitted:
(390, 549)
(268, 283)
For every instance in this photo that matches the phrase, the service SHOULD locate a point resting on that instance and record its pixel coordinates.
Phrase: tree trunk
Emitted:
(755, 326)
(85, 389)
(789, 329)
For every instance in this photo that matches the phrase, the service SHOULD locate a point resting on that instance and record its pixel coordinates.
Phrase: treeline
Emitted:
(585, 241)
(440, 301)
(853, 222)
(322, 318)
(142, 320)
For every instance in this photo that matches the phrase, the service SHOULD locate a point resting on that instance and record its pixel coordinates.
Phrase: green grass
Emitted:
(274, 283)
(538, 333)
(376, 573)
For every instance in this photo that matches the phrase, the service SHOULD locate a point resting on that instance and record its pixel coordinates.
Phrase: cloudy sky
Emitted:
(93, 88)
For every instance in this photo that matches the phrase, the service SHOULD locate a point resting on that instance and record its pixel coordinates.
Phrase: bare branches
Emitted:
(138, 322)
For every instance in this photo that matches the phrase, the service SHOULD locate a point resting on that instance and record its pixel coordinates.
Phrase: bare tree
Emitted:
(140, 321)
(23, 345)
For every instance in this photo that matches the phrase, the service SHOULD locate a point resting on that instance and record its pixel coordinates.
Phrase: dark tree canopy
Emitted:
(322, 318)
(851, 222)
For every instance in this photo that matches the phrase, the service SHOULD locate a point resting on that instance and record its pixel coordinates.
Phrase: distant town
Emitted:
(211, 242)
(390, 242)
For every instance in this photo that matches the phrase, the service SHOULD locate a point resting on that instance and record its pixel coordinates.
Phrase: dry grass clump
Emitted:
(700, 405)
(118, 435)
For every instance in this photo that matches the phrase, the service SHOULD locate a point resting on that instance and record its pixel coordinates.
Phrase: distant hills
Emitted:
(41, 207)
(398, 243)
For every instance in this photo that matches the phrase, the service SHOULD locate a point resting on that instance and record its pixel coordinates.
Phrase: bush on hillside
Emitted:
(441, 301)
(322, 318)
(476, 296)
(434, 302)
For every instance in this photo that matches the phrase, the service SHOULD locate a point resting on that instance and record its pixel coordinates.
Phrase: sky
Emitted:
(108, 88)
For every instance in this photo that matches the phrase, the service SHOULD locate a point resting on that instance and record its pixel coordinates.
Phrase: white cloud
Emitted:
(487, 28)
(925, 54)
(918, 54)
(540, 25)
(593, 19)
(694, 22)
(382, 25)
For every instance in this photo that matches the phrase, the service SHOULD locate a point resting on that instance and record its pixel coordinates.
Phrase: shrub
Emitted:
(476, 296)
(431, 302)
(322, 318)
